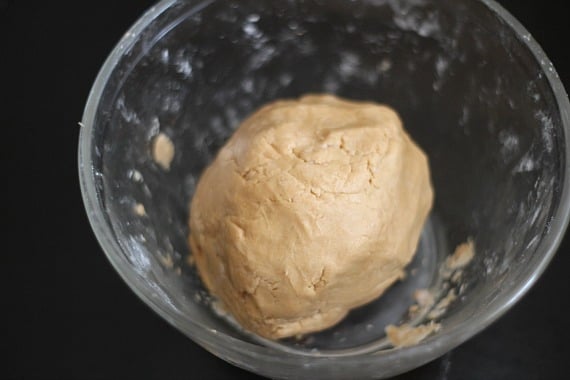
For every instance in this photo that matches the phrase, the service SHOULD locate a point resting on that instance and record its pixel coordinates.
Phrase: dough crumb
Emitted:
(384, 65)
(462, 256)
(166, 261)
(452, 276)
(139, 209)
(423, 298)
(413, 310)
(457, 276)
(163, 151)
(190, 260)
(442, 305)
(406, 335)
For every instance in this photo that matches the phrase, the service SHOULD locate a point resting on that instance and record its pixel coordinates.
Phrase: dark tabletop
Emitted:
(86, 324)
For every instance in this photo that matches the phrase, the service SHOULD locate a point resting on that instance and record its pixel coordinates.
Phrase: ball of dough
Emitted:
(313, 207)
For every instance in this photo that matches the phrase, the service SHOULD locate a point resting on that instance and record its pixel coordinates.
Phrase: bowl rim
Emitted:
(228, 347)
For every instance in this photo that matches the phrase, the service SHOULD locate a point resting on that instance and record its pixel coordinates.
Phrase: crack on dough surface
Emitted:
(312, 208)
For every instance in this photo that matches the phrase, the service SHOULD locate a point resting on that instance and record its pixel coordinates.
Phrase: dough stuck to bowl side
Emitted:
(312, 208)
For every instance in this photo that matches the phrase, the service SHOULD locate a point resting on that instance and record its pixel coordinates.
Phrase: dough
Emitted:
(312, 208)
(163, 151)
(406, 335)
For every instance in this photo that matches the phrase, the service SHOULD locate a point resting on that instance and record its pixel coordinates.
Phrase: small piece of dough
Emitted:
(139, 209)
(406, 335)
(163, 151)
(442, 305)
(312, 208)
(462, 256)
(423, 297)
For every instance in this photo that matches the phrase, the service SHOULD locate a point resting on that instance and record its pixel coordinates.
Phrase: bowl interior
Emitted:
(469, 90)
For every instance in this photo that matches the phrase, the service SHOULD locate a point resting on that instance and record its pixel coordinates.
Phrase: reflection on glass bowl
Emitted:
(473, 89)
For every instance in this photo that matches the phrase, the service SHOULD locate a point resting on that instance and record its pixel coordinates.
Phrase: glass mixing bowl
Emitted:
(473, 88)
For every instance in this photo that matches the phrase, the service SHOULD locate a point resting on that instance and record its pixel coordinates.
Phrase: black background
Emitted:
(68, 315)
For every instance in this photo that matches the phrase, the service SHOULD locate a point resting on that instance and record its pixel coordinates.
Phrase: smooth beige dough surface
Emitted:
(313, 207)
